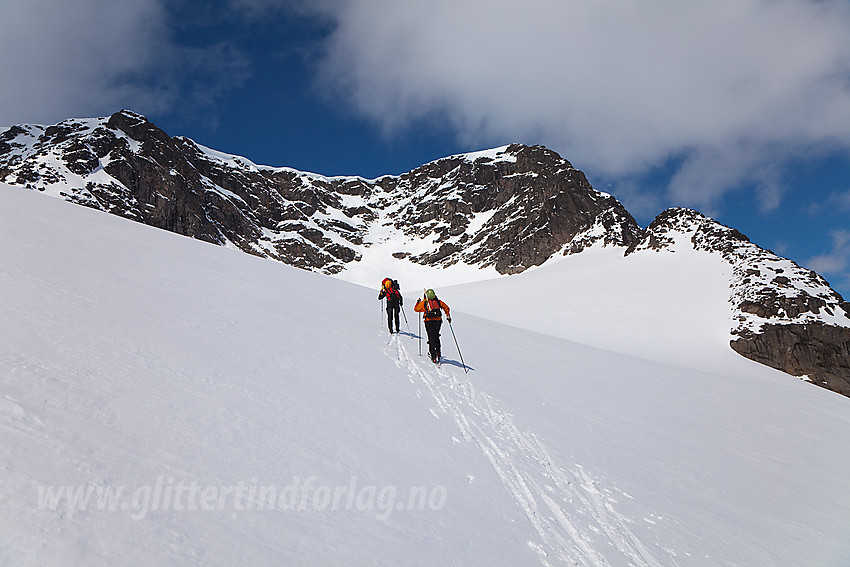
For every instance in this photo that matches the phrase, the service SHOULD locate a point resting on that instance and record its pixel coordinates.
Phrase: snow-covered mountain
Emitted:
(459, 219)
(168, 402)
(783, 315)
(508, 208)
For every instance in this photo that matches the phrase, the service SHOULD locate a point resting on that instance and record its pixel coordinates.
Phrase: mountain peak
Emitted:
(680, 223)
(680, 217)
(134, 125)
(783, 315)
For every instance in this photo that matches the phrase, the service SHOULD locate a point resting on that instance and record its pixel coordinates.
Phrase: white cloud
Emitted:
(92, 57)
(69, 58)
(730, 87)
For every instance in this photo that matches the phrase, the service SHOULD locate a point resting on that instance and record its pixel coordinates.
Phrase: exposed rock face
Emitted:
(820, 352)
(510, 208)
(127, 166)
(783, 315)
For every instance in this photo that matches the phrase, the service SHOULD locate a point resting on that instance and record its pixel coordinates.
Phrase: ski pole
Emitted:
(405, 317)
(465, 370)
(424, 295)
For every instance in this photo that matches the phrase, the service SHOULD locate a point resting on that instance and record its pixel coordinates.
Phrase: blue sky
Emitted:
(738, 108)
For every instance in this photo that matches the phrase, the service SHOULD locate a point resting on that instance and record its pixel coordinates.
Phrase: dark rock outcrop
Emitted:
(819, 352)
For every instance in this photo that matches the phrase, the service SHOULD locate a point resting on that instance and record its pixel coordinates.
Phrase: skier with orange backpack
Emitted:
(431, 307)
(389, 290)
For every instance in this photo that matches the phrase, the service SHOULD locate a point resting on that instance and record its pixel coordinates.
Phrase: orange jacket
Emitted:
(421, 308)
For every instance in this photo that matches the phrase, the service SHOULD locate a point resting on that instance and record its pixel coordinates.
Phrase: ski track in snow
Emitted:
(566, 507)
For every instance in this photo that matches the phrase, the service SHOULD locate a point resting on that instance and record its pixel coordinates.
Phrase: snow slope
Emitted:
(666, 307)
(196, 377)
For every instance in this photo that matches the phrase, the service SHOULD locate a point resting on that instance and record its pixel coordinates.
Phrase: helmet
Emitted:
(387, 283)
(429, 293)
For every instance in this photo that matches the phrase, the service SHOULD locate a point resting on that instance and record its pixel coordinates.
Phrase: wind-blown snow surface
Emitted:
(131, 357)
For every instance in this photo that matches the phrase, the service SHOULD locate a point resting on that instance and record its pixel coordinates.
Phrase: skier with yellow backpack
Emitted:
(390, 291)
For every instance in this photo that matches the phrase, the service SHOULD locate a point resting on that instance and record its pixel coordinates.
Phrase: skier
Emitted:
(432, 309)
(389, 289)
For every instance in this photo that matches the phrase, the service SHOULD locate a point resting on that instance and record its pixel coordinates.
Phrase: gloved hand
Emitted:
(449, 318)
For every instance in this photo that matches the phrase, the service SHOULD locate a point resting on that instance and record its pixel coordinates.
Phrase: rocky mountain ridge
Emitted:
(503, 210)
(509, 208)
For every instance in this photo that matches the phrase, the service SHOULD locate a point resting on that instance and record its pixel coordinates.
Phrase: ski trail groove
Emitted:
(576, 522)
